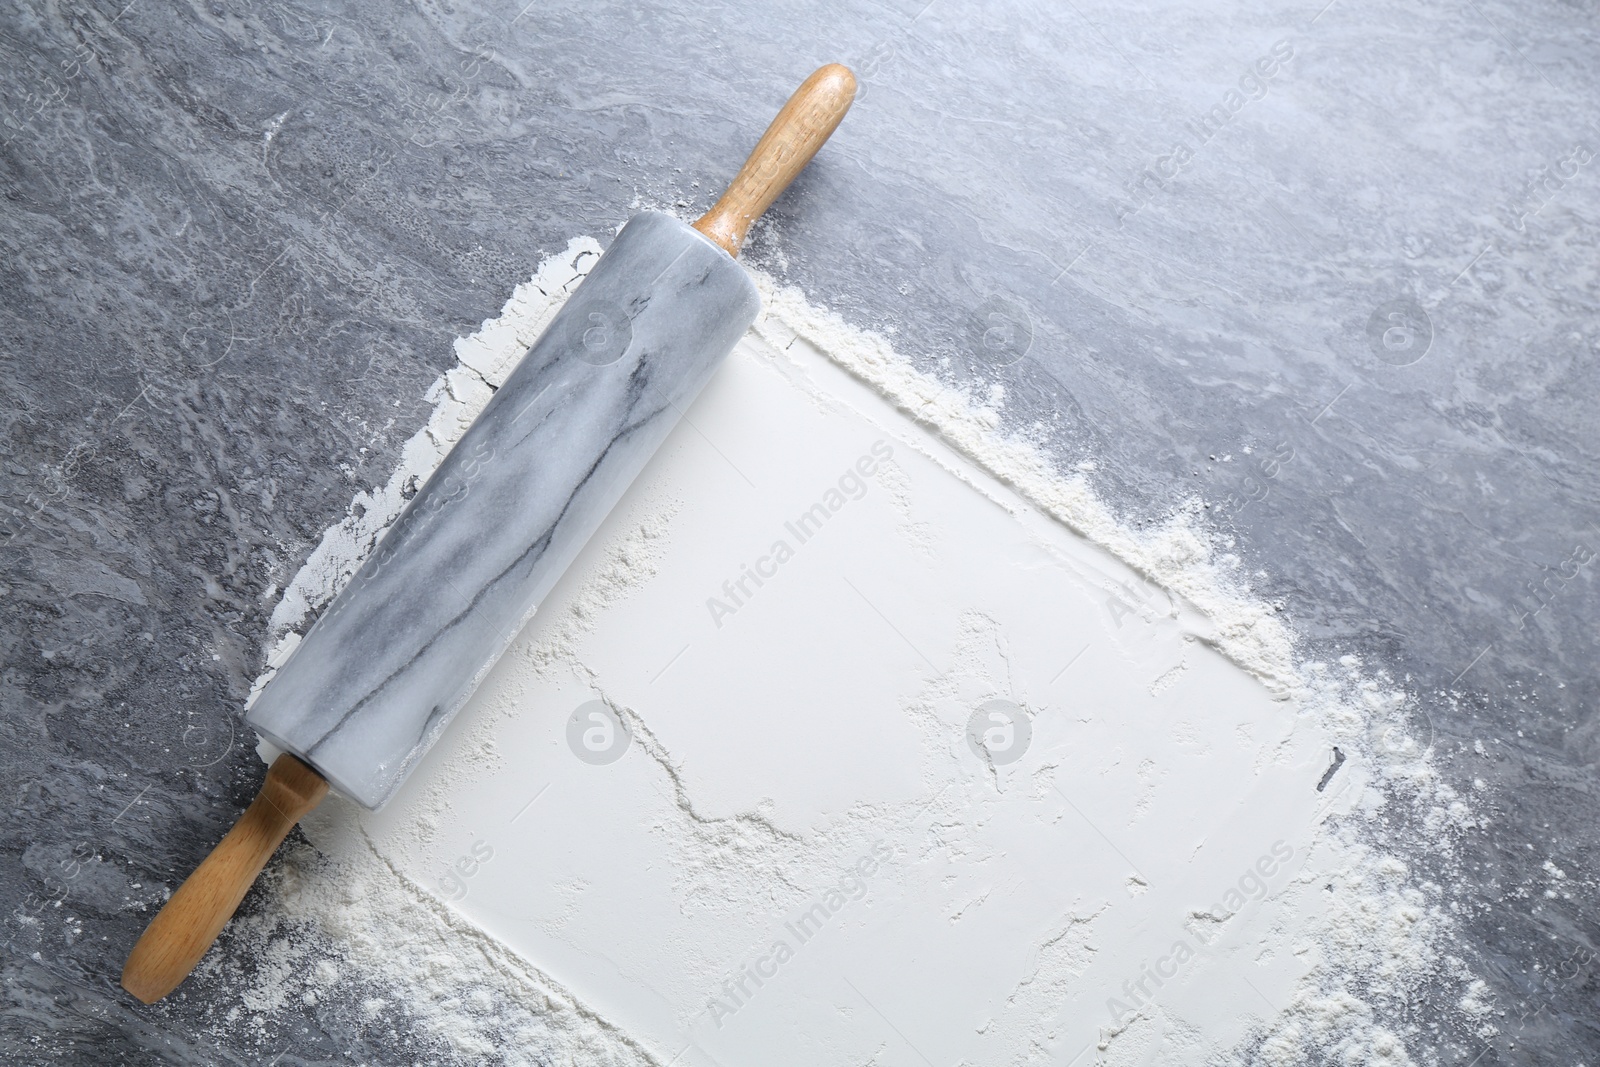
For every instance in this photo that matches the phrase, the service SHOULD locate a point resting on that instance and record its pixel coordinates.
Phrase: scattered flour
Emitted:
(341, 916)
(341, 925)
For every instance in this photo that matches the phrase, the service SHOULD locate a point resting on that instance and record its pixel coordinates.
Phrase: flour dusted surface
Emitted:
(342, 914)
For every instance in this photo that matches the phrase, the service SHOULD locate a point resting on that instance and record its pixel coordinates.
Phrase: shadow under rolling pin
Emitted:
(404, 644)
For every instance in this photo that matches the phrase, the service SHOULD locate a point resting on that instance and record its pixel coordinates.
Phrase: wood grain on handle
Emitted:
(186, 926)
(800, 129)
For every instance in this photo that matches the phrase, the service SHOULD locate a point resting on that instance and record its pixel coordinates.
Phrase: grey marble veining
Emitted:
(237, 242)
(406, 641)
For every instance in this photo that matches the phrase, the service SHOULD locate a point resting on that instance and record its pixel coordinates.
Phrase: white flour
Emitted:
(343, 917)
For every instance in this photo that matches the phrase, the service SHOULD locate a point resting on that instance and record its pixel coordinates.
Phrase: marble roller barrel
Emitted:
(402, 647)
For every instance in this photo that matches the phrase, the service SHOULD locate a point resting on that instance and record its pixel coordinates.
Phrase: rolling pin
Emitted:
(406, 641)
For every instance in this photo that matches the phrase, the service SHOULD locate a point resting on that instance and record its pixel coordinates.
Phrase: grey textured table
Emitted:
(239, 239)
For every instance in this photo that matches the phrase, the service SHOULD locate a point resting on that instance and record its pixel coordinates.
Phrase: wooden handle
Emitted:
(805, 122)
(182, 930)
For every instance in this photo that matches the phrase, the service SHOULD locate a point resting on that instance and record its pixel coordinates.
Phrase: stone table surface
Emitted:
(1359, 239)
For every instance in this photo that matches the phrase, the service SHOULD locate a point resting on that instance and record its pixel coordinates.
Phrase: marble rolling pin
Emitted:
(404, 644)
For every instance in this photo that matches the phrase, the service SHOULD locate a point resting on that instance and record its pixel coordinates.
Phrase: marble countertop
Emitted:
(1359, 240)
